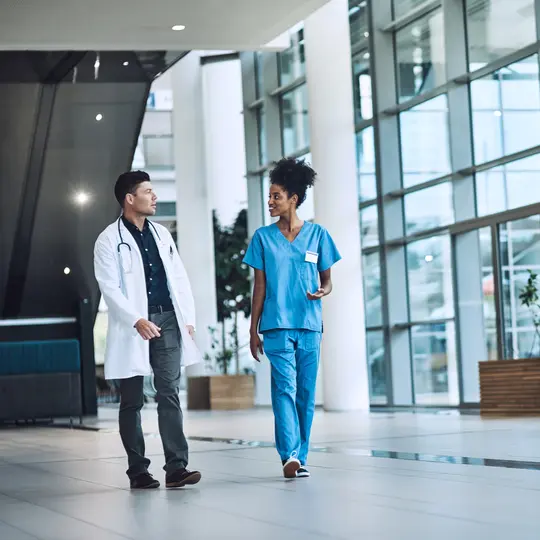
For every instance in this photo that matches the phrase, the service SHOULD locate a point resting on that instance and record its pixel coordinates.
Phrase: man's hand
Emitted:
(147, 330)
(317, 295)
(191, 331)
(256, 346)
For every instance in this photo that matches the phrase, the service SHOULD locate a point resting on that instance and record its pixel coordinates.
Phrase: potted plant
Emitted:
(513, 386)
(225, 390)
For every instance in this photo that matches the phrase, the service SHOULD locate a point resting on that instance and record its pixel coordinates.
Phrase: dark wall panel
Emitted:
(18, 107)
(82, 155)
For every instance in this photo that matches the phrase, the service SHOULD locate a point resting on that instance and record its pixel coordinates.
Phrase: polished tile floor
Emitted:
(375, 476)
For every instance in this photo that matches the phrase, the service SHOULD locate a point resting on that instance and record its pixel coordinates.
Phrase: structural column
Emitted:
(328, 72)
(193, 209)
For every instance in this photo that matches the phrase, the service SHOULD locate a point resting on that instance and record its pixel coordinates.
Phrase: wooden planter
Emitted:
(510, 387)
(221, 392)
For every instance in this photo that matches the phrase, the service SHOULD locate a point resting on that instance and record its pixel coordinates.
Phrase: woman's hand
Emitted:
(317, 295)
(255, 345)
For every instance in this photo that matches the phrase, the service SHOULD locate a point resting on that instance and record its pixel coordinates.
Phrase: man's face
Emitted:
(144, 200)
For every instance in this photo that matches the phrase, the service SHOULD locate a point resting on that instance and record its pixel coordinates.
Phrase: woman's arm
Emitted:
(257, 303)
(326, 286)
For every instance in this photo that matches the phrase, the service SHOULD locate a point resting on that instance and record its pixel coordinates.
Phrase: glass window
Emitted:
(292, 61)
(369, 226)
(421, 56)
(167, 209)
(258, 74)
(434, 364)
(520, 252)
(307, 210)
(509, 186)
(402, 7)
(372, 289)
(265, 181)
(157, 123)
(424, 141)
(429, 208)
(362, 93)
(294, 120)
(376, 368)
(358, 21)
(429, 268)
(496, 28)
(159, 152)
(365, 161)
(506, 110)
(261, 133)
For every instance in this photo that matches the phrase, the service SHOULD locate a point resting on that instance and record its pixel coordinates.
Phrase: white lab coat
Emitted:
(127, 353)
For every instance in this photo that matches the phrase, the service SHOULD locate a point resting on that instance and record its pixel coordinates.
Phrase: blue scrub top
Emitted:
(289, 276)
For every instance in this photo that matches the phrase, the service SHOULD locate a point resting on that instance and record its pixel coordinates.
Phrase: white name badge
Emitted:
(312, 257)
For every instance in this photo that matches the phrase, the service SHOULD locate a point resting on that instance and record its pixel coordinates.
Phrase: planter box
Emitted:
(221, 392)
(510, 387)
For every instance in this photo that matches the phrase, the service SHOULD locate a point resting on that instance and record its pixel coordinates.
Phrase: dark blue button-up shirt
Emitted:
(154, 271)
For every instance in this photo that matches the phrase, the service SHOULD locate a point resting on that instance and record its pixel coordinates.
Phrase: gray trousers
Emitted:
(165, 353)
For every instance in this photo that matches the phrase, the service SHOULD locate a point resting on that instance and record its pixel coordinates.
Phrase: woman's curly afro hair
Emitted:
(295, 176)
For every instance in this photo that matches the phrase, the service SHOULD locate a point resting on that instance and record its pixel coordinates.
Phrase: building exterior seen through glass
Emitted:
(463, 148)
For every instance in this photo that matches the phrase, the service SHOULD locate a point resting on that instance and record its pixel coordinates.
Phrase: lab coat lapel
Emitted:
(128, 239)
(162, 247)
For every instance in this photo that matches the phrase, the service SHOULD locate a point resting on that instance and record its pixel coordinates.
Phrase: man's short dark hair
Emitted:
(127, 183)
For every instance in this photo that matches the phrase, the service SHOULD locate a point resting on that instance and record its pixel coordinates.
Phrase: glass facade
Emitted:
(496, 28)
(295, 120)
(421, 56)
(446, 108)
(292, 61)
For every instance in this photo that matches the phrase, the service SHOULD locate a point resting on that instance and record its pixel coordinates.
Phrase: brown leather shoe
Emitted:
(181, 478)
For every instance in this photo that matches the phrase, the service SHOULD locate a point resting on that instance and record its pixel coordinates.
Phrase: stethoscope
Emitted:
(122, 243)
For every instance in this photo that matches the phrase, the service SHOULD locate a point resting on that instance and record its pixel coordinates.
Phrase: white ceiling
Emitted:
(144, 25)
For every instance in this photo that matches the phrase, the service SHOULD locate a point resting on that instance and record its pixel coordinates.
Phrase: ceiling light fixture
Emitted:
(67, 270)
(99, 117)
(81, 198)
(178, 27)
(126, 63)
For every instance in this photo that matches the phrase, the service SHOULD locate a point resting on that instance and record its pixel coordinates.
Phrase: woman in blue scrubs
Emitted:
(292, 261)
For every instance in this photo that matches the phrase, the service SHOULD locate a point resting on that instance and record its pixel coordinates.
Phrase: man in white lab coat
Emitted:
(151, 327)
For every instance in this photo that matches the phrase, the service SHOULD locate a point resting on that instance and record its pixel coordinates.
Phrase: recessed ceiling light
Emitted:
(126, 63)
(81, 198)
(99, 117)
(67, 270)
(178, 27)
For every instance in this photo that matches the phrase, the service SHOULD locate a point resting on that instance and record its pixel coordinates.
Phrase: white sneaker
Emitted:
(290, 467)
(302, 472)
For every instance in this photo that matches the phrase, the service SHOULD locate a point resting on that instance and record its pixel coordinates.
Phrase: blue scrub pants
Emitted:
(294, 356)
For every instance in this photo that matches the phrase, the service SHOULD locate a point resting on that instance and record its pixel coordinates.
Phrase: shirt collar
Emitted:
(133, 228)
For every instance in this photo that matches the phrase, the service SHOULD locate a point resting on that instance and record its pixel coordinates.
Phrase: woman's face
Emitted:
(279, 202)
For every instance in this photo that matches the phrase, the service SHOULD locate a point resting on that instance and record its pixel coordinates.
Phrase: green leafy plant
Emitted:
(221, 353)
(232, 278)
(530, 298)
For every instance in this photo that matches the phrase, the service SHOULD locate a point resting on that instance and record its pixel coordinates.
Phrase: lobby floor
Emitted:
(375, 476)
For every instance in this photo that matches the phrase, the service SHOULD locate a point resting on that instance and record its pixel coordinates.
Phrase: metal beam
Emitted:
(22, 244)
